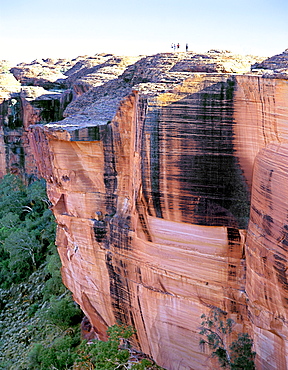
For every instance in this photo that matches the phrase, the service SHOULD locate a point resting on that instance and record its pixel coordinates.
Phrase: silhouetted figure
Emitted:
(186, 47)
(178, 45)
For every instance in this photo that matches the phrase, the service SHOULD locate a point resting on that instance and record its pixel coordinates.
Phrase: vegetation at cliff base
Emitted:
(215, 331)
(29, 270)
(66, 352)
(27, 229)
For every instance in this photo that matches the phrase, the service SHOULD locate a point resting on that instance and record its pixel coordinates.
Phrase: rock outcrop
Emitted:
(274, 67)
(168, 185)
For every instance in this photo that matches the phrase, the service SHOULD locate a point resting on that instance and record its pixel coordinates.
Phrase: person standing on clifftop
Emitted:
(186, 48)
(178, 46)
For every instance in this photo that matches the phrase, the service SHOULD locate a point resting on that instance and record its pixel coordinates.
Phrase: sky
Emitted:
(32, 29)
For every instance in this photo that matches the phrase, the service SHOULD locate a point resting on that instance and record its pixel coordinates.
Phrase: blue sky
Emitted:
(33, 29)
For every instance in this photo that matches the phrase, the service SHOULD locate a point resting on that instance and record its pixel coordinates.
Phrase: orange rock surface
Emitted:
(152, 213)
(169, 190)
(267, 283)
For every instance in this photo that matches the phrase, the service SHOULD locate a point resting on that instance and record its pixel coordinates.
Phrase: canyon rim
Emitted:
(167, 175)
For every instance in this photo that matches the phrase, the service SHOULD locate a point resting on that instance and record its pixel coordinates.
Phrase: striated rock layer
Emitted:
(168, 184)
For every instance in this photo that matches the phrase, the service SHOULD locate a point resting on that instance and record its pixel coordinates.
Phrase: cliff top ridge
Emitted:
(98, 83)
(277, 65)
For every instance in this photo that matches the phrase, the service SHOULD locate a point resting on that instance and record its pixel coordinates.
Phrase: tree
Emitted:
(27, 229)
(106, 355)
(64, 312)
(215, 331)
(66, 353)
(242, 355)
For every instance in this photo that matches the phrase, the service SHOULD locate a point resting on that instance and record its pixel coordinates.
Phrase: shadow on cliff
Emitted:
(191, 160)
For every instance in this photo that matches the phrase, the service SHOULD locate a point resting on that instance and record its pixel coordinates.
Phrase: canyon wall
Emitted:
(168, 184)
(261, 110)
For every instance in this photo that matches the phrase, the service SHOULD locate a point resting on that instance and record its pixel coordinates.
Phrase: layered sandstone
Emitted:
(151, 176)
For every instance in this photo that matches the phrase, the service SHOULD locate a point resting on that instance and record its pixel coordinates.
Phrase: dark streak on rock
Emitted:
(233, 237)
(118, 291)
(280, 269)
(141, 209)
(100, 229)
(155, 164)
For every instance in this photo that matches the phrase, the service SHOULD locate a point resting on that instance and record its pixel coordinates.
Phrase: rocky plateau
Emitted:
(167, 176)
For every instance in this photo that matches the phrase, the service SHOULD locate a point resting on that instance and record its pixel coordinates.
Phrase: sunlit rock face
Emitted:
(261, 110)
(151, 176)
(267, 283)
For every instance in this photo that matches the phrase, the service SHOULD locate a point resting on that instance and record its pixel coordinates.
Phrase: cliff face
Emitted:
(261, 110)
(151, 176)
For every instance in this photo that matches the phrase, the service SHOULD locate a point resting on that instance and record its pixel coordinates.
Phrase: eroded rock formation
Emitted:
(168, 183)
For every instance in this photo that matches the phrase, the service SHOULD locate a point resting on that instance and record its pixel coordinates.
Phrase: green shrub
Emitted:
(4, 365)
(53, 286)
(34, 356)
(27, 229)
(33, 309)
(242, 356)
(110, 355)
(59, 355)
(64, 313)
(105, 355)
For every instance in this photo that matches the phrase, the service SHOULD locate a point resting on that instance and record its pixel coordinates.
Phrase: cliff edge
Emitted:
(167, 178)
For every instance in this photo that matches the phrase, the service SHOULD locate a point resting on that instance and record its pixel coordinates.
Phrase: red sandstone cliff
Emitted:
(152, 176)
